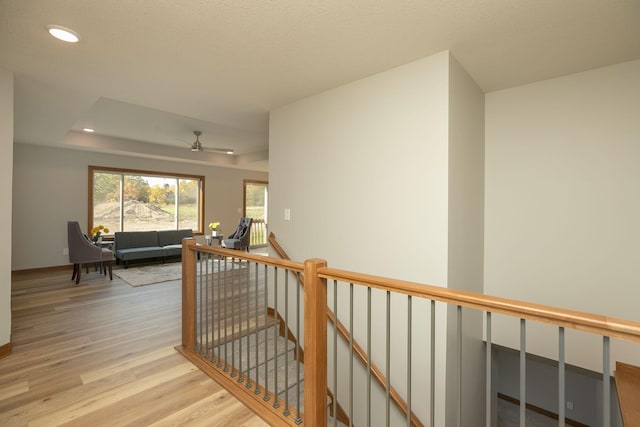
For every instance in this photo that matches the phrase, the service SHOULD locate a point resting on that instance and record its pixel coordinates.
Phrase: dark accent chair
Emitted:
(241, 238)
(82, 251)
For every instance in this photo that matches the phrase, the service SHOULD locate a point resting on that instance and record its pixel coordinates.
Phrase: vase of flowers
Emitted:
(214, 227)
(97, 232)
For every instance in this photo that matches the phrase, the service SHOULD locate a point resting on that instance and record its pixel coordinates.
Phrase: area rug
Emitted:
(151, 274)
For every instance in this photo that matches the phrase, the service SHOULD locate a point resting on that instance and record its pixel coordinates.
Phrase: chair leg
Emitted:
(79, 273)
(110, 267)
(75, 271)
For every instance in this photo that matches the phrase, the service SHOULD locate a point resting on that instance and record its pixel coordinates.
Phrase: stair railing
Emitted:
(229, 332)
(355, 291)
(359, 352)
(374, 302)
(258, 234)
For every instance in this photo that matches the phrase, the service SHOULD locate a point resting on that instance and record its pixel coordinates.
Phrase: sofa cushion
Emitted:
(172, 250)
(140, 253)
(173, 237)
(135, 239)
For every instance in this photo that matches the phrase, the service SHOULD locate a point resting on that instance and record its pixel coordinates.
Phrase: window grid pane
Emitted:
(139, 202)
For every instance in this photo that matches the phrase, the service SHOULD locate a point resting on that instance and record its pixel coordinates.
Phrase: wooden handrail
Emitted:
(582, 321)
(296, 267)
(592, 323)
(357, 348)
(275, 245)
(188, 294)
(572, 319)
(598, 324)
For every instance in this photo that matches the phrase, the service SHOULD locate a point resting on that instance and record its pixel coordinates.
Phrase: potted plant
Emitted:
(97, 232)
(214, 227)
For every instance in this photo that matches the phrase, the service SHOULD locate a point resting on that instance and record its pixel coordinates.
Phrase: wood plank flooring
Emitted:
(101, 354)
(628, 382)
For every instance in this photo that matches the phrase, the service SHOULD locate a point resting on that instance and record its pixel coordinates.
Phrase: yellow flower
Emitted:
(213, 226)
(97, 231)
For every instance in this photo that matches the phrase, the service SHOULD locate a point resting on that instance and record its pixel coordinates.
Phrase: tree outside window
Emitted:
(124, 200)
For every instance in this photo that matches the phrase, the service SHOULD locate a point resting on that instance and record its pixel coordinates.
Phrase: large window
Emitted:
(131, 200)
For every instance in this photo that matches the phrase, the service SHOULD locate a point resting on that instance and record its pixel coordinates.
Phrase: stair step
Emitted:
(230, 333)
(287, 385)
(284, 382)
(250, 338)
(236, 351)
(293, 401)
(628, 384)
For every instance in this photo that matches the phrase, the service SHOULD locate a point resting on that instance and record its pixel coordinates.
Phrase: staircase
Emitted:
(264, 357)
(257, 361)
(232, 330)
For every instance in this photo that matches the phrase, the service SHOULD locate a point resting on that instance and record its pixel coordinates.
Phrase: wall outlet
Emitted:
(65, 251)
(287, 214)
(569, 405)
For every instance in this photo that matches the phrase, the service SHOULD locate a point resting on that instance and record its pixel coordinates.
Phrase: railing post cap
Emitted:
(189, 241)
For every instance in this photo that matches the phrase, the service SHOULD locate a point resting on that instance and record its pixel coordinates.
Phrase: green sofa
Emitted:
(137, 245)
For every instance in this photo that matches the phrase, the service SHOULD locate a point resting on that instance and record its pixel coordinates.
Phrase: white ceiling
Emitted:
(146, 73)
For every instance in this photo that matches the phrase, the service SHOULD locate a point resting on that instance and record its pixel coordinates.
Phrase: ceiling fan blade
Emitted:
(218, 150)
(197, 145)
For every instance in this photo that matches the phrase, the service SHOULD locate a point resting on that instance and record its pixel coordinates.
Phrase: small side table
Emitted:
(104, 244)
(210, 238)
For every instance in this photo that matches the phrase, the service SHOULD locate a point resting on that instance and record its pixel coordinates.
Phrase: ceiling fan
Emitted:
(197, 145)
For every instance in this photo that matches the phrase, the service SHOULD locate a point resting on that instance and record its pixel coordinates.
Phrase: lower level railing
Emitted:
(258, 236)
(250, 325)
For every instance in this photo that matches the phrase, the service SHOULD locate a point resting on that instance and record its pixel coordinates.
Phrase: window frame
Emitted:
(201, 198)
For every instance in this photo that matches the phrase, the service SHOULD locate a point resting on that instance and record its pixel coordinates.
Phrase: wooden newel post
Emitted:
(188, 293)
(315, 344)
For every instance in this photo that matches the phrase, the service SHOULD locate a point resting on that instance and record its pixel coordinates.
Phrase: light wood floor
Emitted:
(102, 354)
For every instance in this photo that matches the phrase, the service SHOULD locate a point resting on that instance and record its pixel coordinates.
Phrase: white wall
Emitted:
(50, 188)
(364, 169)
(6, 168)
(466, 231)
(562, 202)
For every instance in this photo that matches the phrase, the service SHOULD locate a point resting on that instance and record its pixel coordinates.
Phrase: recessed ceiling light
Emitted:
(64, 34)
(88, 130)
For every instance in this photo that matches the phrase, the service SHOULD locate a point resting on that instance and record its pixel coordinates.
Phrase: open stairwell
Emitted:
(264, 359)
(236, 332)
(242, 323)
(628, 384)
